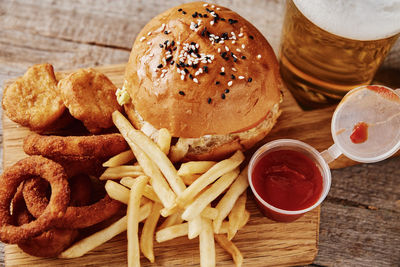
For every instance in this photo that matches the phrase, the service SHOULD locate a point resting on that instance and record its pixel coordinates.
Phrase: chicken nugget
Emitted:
(90, 97)
(33, 100)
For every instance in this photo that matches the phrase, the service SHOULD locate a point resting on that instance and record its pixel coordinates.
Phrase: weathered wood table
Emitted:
(360, 219)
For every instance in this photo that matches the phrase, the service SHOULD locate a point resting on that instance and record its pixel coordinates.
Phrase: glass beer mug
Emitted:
(329, 47)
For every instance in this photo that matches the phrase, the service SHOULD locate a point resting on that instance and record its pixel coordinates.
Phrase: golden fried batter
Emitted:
(90, 98)
(33, 100)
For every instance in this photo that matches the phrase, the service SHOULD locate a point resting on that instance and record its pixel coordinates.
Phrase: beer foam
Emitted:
(354, 19)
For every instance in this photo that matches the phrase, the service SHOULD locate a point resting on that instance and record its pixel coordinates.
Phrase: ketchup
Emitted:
(287, 179)
(360, 133)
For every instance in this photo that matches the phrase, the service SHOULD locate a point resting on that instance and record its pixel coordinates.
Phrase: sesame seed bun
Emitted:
(182, 77)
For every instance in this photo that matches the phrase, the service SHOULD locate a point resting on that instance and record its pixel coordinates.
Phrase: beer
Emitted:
(330, 47)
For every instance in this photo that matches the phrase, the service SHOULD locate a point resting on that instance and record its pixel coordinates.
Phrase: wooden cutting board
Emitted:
(262, 241)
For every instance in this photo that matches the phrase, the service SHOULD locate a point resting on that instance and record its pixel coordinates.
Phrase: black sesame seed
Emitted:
(193, 43)
(249, 80)
(190, 76)
(223, 96)
(200, 15)
(184, 12)
(169, 58)
(223, 54)
(195, 66)
(217, 82)
(172, 43)
(180, 9)
(222, 73)
(223, 19)
(187, 65)
(224, 35)
(166, 42)
(161, 46)
(196, 25)
(226, 91)
(203, 31)
(205, 68)
(205, 15)
(234, 59)
(181, 64)
(208, 10)
(166, 32)
(194, 15)
(174, 48)
(233, 76)
(181, 92)
(172, 62)
(251, 37)
(243, 57)
(186, 70)
(232, 21)
(160, 66)
(209, 100)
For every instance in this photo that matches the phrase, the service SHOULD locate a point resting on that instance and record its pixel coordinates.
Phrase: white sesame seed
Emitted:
(209, 61)
(211, 22)
(149, 43)
(178, 43)
(238, 50)
(243, 46)
(230, 83)
(234, 69)
(240, 34)
(226, 48)
(233, 41)
(142, 39)
(162, 26)
(222, 69)
(232, 33)
(151, 55)
(222, 41)
(197, 45)
(205, 5)
(241, 77)
(149, 33)
(258, 56)
(218, 8)
(219, 50)
(213, 6)
(182, 77)
(164, 70)
(195, 80)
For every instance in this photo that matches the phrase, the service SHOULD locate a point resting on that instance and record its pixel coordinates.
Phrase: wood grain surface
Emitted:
(360, 219)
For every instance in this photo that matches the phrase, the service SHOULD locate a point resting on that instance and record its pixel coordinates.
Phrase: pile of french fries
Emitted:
(153, 188)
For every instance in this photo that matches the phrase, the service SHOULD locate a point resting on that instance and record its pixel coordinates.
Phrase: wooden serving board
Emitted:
(262, 241)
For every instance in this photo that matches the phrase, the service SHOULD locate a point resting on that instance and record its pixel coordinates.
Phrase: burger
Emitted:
(208, 76)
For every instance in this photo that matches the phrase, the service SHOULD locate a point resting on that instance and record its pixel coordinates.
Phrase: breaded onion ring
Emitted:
(54, 241)
(9, 182)
(75, 217)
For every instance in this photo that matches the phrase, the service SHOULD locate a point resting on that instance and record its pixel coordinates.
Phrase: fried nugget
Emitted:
(33, 100)
(90, 98)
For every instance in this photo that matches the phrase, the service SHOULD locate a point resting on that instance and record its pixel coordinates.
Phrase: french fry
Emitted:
(148, 189)
(189, 179)
(225, 224)
(173, 219)
(235, 216)
(89, 243)
(117, 191)
(210, 213)
(209, 177)
(229, 247)
(194, 227)
(121, 171)
(147, 236)
(207, 244)
(227, 202)
(164, 140)
(198, 205)
(195, 167)
(179, 150)
(133, 221)
(172, 232)
(151, 149)
(120, 159)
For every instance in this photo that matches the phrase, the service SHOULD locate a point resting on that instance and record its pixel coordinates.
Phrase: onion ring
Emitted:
(9, 182)
(54, 241)
(75, 217)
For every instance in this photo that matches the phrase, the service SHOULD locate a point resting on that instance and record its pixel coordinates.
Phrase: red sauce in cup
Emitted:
(360, 133)
(287, 179)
